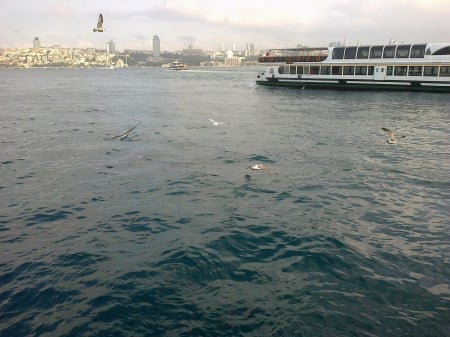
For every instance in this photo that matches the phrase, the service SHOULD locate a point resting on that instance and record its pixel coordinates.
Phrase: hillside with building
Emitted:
(57, 56)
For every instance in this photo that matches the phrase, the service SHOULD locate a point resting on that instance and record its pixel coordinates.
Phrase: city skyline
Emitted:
(209, 24)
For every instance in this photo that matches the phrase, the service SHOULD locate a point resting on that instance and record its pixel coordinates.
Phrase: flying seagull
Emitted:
(213, 122)
(99, 27)
(261, 167)
(125, 134)
(390, 134)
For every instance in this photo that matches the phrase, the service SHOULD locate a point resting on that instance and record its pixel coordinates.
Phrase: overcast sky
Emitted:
(207, 23)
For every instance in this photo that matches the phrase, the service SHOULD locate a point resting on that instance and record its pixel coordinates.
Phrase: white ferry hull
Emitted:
(355, 84)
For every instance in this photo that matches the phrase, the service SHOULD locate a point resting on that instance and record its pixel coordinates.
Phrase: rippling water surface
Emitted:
(169, 233)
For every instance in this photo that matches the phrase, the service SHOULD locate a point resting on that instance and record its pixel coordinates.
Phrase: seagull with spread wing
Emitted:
(390, 136)
(99, 27)
(125, 134)
(215, 123)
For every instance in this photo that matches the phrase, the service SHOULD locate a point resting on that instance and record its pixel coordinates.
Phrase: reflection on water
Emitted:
(169, 233)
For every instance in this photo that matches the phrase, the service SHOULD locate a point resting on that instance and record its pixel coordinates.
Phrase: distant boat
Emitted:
(177, 65)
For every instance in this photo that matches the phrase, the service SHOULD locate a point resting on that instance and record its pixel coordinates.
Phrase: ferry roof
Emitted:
(360, 53)
(433, 47)
(403, 50)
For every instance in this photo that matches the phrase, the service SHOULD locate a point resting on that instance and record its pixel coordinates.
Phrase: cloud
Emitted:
(167, 13)
(84, 44)
(61, 11)
(187, 38)
(434, 7)
(141, 37)
(267, 24)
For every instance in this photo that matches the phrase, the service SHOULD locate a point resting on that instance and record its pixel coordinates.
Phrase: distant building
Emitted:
(217, 55)
(191, 51)
(120, 63)
(156, 46)
(232, 61)
(110, 47)
(250, 51)
(36, 43)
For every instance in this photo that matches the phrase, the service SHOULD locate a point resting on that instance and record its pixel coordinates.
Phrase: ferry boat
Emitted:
(177, 65)
(411, 67)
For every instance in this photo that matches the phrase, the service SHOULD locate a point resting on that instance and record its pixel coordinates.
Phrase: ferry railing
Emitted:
(291, 59)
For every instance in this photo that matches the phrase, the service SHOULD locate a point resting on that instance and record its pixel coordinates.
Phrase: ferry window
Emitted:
(370, 70)
(376, 52)
(350, 53)
(415, 71)
(418, 51)
(445, 71)
(306, 70)
(389, 70)
(363, 52)
(292, 70)
(400, 70)
(361, 70)
(430, 71)
(338, 53)
(403, 51)
(389, 52)
(314, 70)
(349, 70)
(336, 70)
(300, 70)
(443, 51)
(281, 69)
(325, 70)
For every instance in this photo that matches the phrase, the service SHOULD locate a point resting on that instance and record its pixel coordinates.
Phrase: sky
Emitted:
(207, 24)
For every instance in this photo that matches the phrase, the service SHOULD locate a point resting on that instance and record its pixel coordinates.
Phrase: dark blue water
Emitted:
(169, 233)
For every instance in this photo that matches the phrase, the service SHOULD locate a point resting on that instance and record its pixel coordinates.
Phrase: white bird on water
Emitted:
(391, 137)
(213, 122)
(261, 167)
(99, 27)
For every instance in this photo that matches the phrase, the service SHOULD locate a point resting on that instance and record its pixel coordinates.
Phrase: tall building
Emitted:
(250, 51)
(110, 47)
(156, 46)
(36, 43)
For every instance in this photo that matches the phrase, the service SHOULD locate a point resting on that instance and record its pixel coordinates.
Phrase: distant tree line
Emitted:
(143, 59)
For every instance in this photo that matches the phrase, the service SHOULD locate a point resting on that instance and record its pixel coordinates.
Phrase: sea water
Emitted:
(169, 233)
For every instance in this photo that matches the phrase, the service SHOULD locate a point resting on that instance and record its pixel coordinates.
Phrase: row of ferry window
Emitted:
(377, 52)
(365, 70)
